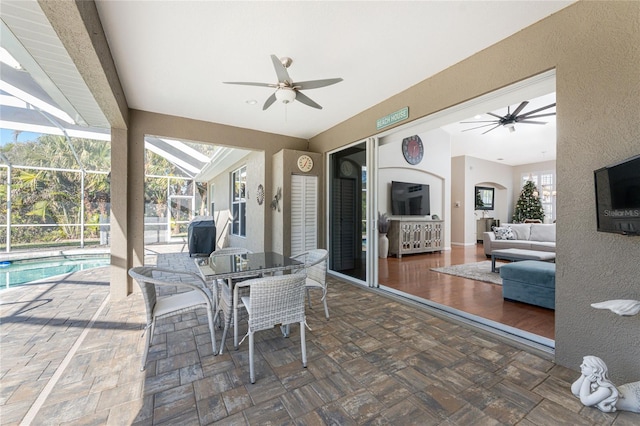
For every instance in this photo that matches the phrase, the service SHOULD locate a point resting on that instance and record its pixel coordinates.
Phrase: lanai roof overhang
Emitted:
(26, 107)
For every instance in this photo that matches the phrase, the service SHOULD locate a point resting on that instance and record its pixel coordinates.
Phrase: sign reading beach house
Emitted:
(392, 118)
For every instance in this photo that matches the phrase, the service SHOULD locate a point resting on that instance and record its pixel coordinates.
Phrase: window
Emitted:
(545, 183)
(239, 202)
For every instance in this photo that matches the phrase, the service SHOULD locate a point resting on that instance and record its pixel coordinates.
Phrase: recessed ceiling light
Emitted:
(477, 116)
(252, 102)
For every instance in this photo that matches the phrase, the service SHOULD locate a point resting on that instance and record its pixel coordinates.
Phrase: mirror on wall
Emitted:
(485, 197)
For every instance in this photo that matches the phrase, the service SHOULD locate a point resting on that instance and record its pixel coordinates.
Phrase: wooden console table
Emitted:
(411, 235)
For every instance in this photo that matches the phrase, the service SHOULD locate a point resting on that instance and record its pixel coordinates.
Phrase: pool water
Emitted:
(20, 272)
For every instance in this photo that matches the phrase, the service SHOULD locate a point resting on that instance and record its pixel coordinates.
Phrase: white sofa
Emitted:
(527, 236)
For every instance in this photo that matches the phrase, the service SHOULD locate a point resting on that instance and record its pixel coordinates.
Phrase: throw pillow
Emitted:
(503, 233)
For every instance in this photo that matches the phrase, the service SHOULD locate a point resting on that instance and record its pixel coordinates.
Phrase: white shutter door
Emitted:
(304, 213)
(310, 213)
(297, 200)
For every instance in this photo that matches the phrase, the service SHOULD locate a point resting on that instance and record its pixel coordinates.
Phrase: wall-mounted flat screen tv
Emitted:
(410, 199)
(618, 197)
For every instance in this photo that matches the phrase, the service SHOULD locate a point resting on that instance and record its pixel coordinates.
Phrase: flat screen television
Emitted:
(409, 199)
(618, 197)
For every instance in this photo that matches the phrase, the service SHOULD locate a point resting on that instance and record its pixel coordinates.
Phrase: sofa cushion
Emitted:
(506, 244)
(521, 230)
(503, 233)
(543, 232)
(543, 246)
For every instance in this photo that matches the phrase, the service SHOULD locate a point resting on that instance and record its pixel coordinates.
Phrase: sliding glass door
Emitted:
(352, 249)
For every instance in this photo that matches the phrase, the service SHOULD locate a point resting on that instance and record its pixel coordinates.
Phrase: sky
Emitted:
(6, 136)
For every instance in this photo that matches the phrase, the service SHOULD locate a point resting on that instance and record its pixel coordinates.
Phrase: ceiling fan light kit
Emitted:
(286, 90)
(285, 95)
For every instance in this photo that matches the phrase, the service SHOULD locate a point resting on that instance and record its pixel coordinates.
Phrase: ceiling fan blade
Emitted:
(480, 121)
(479, 127)
(495, 127)
(520, 108)
(247, 83)
(495, 115)
(315, 84)
(270, 100)
(538, 110)
(281, 71)
(306, 100)
(526, 117)
(532, 122)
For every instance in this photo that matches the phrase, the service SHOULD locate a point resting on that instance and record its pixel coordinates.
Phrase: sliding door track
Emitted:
(543, 346)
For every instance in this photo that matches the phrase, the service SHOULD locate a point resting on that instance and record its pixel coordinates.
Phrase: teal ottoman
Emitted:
(530, 281)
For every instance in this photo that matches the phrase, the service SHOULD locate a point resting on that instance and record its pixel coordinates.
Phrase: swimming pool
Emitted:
(22, 271)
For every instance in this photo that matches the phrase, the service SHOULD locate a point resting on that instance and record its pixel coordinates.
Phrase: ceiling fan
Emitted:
(512, 118)
(286, 90)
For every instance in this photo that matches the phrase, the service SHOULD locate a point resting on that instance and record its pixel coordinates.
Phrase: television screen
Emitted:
(618, 197)
(409, 199)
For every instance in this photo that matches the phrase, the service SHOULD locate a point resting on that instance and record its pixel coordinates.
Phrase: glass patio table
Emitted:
(234, 266)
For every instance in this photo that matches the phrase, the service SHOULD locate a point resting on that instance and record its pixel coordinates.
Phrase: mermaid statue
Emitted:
(594, 388)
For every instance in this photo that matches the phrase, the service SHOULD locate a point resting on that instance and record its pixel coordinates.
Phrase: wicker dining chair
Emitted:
(224, 289)
(274, 300)
(198, 296)
(315, 266)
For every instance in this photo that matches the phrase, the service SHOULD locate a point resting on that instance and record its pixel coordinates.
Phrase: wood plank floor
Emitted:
(412, 274)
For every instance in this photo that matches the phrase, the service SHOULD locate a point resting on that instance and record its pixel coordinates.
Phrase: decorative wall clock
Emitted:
(412, 149)
(346, 168)
(305, 163)
(260, 194)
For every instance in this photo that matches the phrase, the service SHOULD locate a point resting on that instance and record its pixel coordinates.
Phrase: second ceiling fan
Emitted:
(286, 89)
(511, 118)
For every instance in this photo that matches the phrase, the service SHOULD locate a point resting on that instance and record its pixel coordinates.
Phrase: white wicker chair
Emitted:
(315, 265)
(224, 289)
(275, 300)
(199, 296)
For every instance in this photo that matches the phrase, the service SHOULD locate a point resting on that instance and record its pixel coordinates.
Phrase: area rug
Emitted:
(479, 271)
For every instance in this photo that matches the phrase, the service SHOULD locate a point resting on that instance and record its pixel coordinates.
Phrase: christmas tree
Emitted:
(528, 206)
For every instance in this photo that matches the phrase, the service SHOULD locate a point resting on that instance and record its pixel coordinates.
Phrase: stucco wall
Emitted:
(595, 49)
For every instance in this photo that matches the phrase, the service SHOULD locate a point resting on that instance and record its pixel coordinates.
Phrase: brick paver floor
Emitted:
(70, 355)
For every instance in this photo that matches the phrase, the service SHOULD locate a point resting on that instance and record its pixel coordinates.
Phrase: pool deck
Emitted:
(71, 356)
(44, 253)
